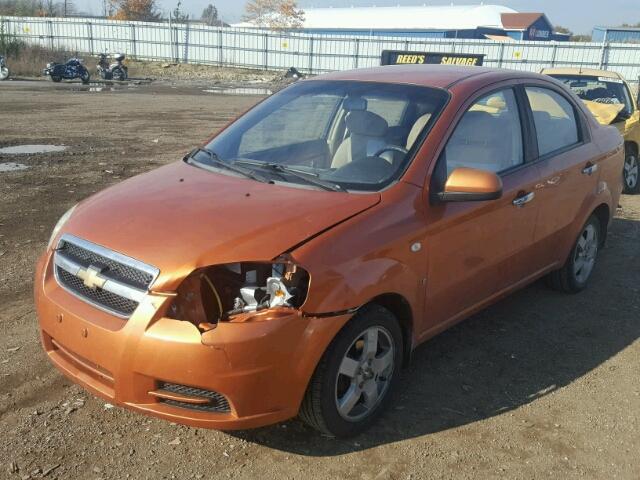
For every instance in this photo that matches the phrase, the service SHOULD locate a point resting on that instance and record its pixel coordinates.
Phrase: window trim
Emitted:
(583, 132)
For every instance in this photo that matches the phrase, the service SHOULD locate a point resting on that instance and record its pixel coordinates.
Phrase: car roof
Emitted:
(439, 76)
(586, 72)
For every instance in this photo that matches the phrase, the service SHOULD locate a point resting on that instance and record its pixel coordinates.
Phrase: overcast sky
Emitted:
(578, 15)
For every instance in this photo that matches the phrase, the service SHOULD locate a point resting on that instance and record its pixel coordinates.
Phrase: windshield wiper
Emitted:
(213, 157)
(308, 177)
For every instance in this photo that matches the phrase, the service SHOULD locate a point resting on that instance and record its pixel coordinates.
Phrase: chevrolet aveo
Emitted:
(291, 264)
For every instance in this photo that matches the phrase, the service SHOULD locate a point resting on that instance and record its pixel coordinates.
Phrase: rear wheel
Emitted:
(631, 170)
(356, 375)
(575, 273)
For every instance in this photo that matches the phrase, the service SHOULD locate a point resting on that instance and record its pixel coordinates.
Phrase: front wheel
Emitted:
(575, 273)
(119, 74)
(356, 375)
(4, 73)
(56, 78)
(85, 77)
(631, 171)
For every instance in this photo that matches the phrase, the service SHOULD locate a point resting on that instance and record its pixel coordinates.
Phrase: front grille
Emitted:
(117, 270)
(109, 300)
(218, 402)
(106, 279)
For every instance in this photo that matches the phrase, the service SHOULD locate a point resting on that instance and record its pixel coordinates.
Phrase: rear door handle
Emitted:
(523, 199)
(590, 168)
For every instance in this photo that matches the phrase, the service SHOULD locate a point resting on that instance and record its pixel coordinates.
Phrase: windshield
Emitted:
(599, 89)
(336, 135)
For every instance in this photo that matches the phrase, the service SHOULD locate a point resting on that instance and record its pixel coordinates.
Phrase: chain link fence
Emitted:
(310, 53)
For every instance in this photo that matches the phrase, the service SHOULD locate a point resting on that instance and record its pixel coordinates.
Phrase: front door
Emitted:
(476, 250)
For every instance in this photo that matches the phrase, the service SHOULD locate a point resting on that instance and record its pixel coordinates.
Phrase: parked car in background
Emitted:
(291, 264)
(609, 98)
(72, 69)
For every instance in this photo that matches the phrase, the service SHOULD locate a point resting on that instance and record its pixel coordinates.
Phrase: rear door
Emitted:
(569, 164)
(476, 250)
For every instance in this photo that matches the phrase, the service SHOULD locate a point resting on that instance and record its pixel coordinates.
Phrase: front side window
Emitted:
(554, 119)
(353, 135)
(489, 135)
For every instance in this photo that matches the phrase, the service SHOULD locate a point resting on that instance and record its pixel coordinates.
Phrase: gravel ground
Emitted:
(541, 385)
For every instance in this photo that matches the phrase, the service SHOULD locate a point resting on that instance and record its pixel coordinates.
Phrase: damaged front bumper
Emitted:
(238, 375)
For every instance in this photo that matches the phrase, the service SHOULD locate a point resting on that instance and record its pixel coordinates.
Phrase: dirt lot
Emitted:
(541, 385)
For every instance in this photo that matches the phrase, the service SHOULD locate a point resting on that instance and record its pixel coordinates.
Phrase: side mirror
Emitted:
(471, 185)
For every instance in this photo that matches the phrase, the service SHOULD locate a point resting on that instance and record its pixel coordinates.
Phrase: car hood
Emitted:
(180, 217)
(605, 113)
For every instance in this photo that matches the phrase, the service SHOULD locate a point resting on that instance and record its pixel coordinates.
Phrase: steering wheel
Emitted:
(394, 148)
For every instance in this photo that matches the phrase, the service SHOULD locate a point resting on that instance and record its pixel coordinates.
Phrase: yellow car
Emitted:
(608, 96)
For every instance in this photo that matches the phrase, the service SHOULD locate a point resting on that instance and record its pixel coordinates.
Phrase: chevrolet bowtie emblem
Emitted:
(91, 277)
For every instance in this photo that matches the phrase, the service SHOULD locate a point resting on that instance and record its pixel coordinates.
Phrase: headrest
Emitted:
(497, 102)
(366, 123)
(352, 104)
(416, 129)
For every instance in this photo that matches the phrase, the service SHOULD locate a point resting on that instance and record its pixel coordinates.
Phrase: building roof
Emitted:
(519, 21)
(458, 17)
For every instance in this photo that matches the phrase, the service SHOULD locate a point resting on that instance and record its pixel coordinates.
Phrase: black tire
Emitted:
(4, 73)
(631, 172)
(85, 77)
(119, 74)
(319, 407)
(566, 279)
(56, 78)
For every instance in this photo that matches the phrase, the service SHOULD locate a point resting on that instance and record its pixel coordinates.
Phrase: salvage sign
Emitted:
(399, 57)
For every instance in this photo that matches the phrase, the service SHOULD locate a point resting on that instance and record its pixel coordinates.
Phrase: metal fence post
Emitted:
(310, 68)
(50, 24)
(134, 52)
(90, 37)
(501, 55)
(604, 56)
(265, 50)
(553, 55)
(356, 53)
(220, 49)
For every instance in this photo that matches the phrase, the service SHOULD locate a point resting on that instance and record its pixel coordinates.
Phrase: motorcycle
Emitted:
(4, 70)
(116, 71)
(67, 71)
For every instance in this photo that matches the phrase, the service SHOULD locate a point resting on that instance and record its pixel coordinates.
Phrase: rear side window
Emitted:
(554, 118)
(489, 135)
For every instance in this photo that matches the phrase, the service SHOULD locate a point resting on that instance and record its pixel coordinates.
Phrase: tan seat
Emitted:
(367, 135)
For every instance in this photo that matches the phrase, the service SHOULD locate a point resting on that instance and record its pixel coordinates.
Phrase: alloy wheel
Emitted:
(585, 253)
(631, 171)
(365, 374)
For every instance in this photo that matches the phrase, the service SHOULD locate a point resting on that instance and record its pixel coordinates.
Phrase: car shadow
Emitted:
(514, 352)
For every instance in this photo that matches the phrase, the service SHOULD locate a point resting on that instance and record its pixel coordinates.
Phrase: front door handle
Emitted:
(590, 168)
(523, 199)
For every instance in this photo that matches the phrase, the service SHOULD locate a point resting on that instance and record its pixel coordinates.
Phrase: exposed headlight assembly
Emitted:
(63, 219)
(234, 291)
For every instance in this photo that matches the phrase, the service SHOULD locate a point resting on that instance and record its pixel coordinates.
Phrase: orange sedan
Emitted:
(291, 264)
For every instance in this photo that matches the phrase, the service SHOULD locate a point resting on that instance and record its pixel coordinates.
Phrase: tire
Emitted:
(348, 374)
(118, 74)
(631, 172)
(56, 78)
(4, 73)
(575, 273)
(85, 77)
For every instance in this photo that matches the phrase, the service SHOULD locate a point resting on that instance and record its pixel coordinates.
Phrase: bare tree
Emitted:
(210, 16)
(141, 10)
(275, 14)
